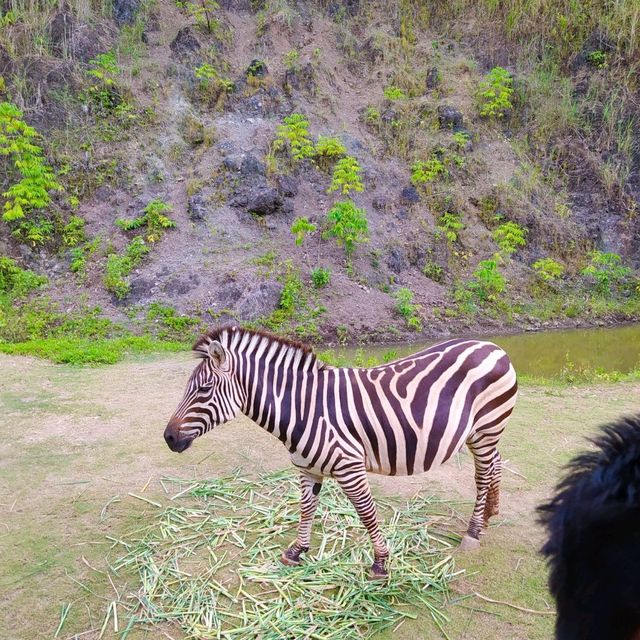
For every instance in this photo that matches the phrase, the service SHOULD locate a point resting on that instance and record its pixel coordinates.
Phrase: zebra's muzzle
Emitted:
(176, 440)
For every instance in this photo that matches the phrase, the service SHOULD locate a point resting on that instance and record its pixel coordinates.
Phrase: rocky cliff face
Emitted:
(185, 110)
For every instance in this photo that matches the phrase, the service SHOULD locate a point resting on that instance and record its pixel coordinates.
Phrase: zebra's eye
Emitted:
(203, 388)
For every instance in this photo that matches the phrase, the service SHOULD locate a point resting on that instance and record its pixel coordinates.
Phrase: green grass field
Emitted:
(78, 441)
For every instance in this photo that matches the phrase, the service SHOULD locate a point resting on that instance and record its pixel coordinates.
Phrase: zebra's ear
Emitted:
(217, 353)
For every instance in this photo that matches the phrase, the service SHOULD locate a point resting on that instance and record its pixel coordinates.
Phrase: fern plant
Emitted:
(153, 218)
(300, 228)
(327, 150)
(495, 93)
(348, 225)
(346, 176)
(293, 135)
(425, 171)
(19, 143)
(450, 225)
(509, 237)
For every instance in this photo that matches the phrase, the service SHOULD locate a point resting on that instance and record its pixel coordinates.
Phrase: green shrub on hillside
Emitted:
(347, 224)
(346, 176)
(293, 135)
(408, 309)
(450, 225)
(301, 227)
(495, 93)
(607, 271)
(394, 93)
(15, 281)
(425, 171)
(547, 269)
(120, 265)
(320, 277)
(487, 282)
(509, 236)
(19, 143)
(213, 87)
(153, 218)
(327, 150)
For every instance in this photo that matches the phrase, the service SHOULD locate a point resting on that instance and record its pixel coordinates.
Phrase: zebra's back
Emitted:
(413, 414)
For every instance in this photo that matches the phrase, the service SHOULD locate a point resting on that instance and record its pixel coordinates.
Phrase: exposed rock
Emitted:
(409, 195)
(449, 117)
(125, 11)
(141, 289)
(396, 260)
(257, 69)
(433, 78)
(185, 44)
(258, 299)
(197, 208)
(287, 186)
(257, 196)
(381, 203)
(299, 78)
(251, 166)
(416, 254)
(181, 285)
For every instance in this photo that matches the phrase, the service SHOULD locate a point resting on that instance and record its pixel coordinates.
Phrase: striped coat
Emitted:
(401, 418)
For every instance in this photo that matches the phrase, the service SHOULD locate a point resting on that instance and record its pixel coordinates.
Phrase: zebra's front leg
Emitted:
(355, 484)
(310, 487)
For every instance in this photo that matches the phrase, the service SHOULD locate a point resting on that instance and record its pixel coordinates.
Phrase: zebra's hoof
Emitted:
(469, 543)
(290, 557)
(378, 572)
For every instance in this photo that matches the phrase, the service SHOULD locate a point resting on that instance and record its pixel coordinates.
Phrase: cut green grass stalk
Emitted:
(209, 563)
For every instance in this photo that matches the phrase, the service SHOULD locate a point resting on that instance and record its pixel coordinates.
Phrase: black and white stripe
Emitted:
(401, 418)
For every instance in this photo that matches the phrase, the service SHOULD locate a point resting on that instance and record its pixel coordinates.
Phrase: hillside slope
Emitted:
(489, 195)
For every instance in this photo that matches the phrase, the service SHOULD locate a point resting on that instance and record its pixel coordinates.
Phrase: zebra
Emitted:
(401, 418)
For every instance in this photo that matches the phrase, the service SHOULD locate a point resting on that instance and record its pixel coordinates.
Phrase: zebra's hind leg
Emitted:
(487, 476)
(492, 507)
(353, 481)
(310, 488)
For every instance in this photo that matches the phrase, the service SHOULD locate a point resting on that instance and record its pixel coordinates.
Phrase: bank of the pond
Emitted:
(570, 355)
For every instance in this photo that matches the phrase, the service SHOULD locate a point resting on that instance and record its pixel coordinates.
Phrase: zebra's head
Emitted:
(211, 396)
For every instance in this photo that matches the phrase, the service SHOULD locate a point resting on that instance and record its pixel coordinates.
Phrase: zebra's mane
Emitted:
(222, 335)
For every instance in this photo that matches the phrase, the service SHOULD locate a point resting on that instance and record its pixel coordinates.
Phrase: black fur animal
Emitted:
(593, 522)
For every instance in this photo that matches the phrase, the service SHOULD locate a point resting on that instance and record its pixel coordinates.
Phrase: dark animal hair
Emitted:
(593, 548)
(201, 345)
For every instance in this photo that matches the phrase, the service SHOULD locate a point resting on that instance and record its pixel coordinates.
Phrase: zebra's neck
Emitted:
(275, 376)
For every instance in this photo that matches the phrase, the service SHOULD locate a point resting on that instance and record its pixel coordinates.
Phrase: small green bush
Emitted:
(120, 265)
(495, 93)
(346, 176)
(509, 237)
(408, 309)
(607, 271)
(153, 218)
(213, 87)
(425, 171)
(170, 324)
(547, 269)
(327, 150)
(19, 142)
(433, 271)
(15, 281)
(347, 224)
(394, 93)
(320, 277)
(301, 227)
(450, 225)
(73, 232)
(294, 136)
(460, 139)
(487, 282)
